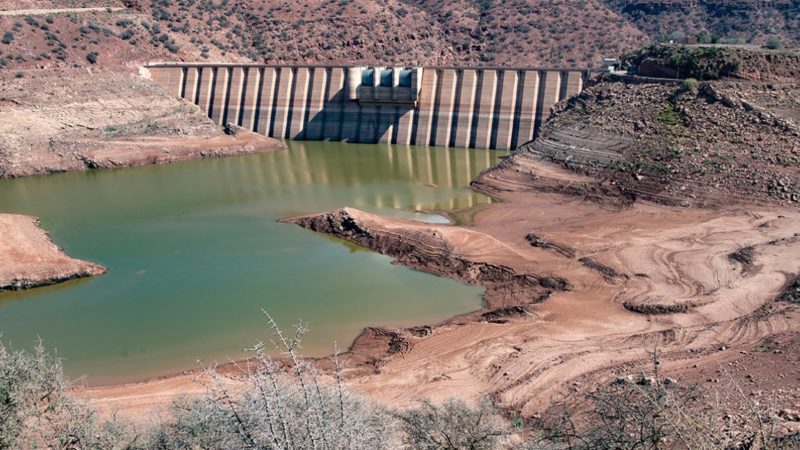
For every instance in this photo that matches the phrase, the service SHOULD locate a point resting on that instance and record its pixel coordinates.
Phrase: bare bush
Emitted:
(284, 405)
(651, 412)
(452, 425)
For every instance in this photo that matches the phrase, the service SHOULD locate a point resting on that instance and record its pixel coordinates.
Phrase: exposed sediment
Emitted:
(28, 258)
(447, 251)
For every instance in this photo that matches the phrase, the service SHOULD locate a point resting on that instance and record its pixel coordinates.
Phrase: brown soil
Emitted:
(76, 119)
(681, 271)
(28, 258)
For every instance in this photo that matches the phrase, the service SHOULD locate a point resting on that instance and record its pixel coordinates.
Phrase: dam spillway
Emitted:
(496, 108)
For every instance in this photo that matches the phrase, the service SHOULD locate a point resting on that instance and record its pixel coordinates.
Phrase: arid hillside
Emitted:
(688, 142)
(737, 21)
(475, 32)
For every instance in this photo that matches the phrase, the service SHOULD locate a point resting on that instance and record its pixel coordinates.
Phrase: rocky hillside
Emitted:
(476, 32)
(712, 62)
(521, 32)
(734, 21)
(683, 142)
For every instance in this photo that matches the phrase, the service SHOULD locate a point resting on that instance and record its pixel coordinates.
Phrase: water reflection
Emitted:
(362, 169)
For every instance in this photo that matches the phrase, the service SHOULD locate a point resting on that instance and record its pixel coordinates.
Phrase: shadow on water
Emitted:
(194, 252)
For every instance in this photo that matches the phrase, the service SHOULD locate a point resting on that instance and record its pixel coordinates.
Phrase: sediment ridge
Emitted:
(451, 252)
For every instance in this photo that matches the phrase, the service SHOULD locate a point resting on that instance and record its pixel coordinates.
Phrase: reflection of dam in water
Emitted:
(431, 169)
(437, 106)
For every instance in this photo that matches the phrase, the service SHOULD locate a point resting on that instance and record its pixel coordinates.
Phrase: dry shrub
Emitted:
(36, 410)
(284, 405)
(452, 425)
(649, 412)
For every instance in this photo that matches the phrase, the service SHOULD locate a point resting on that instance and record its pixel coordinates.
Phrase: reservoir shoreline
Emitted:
(525, 349)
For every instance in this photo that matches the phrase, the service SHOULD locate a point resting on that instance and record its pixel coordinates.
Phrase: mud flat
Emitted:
(28, 258)
(443, 250)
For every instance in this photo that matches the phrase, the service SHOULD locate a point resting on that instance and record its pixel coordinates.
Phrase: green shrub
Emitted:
(690, 84)
(773, 43)
(8, 37)
(92, 57)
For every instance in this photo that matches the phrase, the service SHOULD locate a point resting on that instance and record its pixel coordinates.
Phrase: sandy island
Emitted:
(28, 258)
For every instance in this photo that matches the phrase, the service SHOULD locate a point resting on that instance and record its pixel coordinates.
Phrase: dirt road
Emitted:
(40, 12)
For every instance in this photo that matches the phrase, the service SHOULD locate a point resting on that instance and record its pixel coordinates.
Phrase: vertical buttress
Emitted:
(427, 101)
(508, 103)
(350, 116)
(405, 118)
(190, 84)
(316, 102)
(220, 95)
(527, 109)
(486, 106)
(574, 83)
(386, 116)
(204, 97)
(265, 112)
(334, 102)
(446, 102)
(549, 96)
(234, 96)
(250, 102)
(466, 108)
(282, 98)
(299, 102)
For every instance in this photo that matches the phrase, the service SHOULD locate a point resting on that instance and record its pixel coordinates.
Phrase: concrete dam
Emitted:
(496, 108)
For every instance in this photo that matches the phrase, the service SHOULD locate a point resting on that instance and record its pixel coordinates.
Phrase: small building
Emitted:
(611, 64)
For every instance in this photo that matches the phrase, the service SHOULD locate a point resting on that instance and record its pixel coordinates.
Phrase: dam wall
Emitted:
(494, 108)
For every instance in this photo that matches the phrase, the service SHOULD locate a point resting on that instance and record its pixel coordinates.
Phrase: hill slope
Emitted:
(562, 33)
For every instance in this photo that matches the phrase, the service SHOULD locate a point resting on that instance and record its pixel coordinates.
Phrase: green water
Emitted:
(194, 253)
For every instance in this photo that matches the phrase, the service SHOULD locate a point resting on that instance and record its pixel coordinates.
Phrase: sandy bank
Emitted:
(77, 119)
(28, 258)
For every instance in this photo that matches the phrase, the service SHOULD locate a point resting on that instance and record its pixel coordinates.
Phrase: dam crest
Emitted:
(495, 108)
